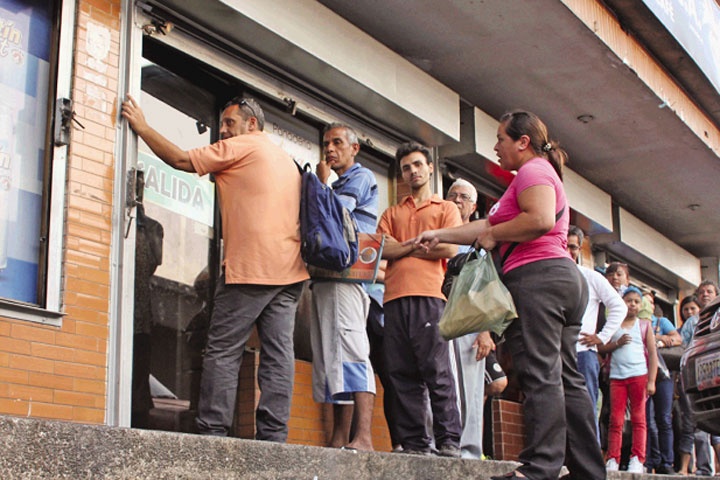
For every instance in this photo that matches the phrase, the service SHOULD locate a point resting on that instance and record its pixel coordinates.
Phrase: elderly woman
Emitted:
(528, 228)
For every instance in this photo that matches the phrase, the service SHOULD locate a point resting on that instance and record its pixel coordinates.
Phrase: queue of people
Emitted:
(434, 389)
(664, 438)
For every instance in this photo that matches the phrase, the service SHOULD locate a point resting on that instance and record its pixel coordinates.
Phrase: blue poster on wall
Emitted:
(25, 39)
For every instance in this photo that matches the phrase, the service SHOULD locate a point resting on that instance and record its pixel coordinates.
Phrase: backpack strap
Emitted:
(302, 169)
(643, 330)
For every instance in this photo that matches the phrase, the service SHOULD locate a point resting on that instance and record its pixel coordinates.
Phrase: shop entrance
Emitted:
(177, 247)
(178, 242)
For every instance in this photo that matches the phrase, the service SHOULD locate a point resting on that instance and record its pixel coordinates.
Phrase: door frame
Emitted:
(122, 249)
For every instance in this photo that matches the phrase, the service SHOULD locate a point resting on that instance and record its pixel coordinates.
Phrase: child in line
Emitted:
(633, 368)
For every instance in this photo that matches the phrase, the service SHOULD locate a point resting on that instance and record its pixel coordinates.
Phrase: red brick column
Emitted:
(508, 429)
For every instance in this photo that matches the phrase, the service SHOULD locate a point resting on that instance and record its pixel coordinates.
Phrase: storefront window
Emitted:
(26, 39)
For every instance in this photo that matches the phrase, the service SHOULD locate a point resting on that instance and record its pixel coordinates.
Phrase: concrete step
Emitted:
(41, 449)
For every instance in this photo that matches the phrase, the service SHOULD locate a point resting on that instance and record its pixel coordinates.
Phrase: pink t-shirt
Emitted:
(553, 244)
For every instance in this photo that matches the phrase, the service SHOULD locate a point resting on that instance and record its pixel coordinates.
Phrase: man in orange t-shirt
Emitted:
(259, 190)
(417, 358)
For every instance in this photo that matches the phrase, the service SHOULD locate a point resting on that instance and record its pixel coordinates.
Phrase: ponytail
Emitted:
(556, 156)
(519, 123)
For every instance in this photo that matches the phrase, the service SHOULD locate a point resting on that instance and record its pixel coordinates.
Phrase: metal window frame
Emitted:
(118, 408)
(50, 311)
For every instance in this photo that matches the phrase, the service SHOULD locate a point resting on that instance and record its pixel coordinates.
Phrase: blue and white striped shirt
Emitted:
(358, 192)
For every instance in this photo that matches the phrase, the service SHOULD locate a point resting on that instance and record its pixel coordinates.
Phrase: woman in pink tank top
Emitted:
(527, 229)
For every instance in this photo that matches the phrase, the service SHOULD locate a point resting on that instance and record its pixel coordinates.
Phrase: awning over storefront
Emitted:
(338, 62)
(645, 249)
(307, 46)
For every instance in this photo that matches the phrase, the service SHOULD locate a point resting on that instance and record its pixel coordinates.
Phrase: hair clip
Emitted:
(547, 147)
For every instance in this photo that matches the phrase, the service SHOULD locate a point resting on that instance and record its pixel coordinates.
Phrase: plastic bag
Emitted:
(478, 301)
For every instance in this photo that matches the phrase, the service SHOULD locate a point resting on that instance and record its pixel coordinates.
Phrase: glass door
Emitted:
(175, 256)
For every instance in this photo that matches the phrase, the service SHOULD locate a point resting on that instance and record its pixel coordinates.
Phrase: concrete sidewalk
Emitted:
(38, 449)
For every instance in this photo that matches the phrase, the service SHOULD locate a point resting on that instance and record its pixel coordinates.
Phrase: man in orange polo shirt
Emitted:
(259, 191)
(417, 358)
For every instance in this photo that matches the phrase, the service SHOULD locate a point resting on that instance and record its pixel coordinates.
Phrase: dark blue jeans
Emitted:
(659, 423)
(589, 366)
(691, 437)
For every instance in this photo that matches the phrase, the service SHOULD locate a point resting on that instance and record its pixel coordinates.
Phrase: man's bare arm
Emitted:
(441, 250)
(167, 151)
(392, 250)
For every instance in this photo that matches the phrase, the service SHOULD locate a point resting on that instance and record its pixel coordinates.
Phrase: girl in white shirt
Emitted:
(633, 368)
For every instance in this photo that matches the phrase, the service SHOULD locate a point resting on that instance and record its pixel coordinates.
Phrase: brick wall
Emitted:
(402, 191)
(508, 429)
(310, 422)
(61, 373)
(248, 395)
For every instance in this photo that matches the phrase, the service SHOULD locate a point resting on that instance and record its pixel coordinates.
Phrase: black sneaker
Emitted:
(449, 450)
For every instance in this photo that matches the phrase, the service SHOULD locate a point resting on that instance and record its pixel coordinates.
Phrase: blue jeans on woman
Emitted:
(589, 366)
(659, 426)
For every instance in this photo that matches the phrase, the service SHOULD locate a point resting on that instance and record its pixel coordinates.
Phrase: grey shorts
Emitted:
(341, 350)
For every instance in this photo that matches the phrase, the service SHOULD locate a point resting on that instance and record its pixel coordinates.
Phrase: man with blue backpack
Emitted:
(342, 373)
(262, 274)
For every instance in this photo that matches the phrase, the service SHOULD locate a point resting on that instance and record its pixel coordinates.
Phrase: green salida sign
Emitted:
(184, 193)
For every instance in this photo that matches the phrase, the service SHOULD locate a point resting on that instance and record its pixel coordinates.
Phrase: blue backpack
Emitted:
(328, 230)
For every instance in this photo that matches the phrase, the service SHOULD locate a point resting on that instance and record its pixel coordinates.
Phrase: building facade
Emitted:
(72, 174)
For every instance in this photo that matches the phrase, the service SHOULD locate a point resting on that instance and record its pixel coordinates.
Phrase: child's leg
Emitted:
(618, 401)
(637, 391)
